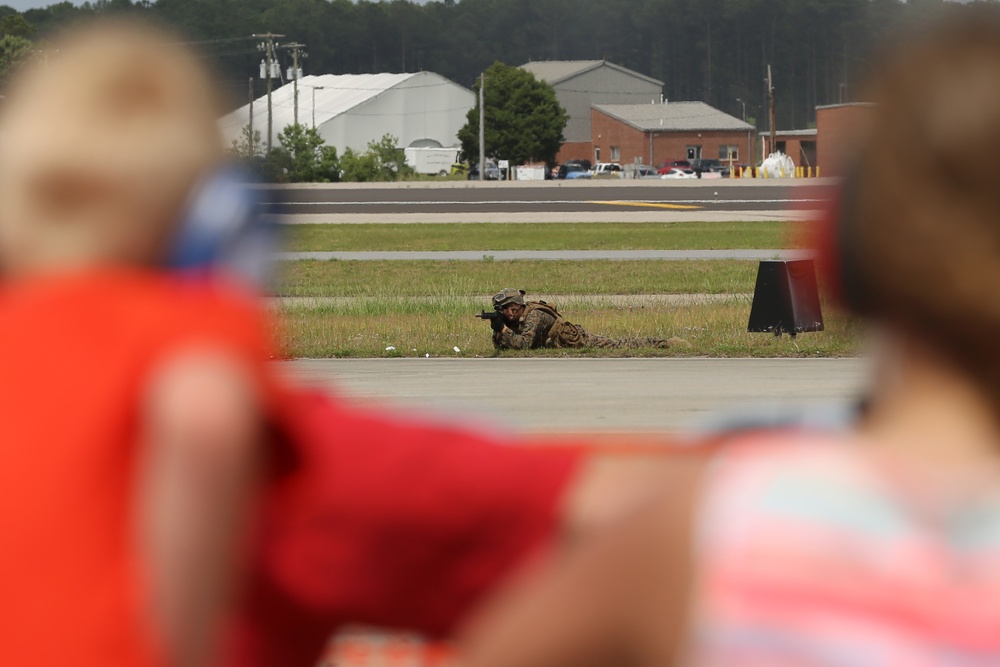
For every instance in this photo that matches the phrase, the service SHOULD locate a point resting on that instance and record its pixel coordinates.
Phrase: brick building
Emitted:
(838, 126)
(580, 84)
(655, 133)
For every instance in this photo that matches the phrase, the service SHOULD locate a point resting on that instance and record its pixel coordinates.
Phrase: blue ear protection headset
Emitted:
(225, 229)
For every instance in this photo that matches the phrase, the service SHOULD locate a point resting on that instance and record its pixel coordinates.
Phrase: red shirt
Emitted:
(391, 522)
(364, 518)
(75, 354)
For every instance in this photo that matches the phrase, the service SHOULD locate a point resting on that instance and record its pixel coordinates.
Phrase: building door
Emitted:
(808, 154)
(693, 153)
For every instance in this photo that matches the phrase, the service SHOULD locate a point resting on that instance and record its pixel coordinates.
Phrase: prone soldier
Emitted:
(527, 325)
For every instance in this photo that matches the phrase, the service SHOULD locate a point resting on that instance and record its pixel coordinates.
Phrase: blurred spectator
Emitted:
(165, 497)
(879, 546)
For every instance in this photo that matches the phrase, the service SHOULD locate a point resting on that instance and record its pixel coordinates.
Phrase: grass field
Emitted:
(438, 326)
(393, 279)
(542, 236)
(418, 308)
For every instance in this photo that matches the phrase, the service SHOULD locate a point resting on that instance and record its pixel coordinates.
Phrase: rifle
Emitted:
(495, 318)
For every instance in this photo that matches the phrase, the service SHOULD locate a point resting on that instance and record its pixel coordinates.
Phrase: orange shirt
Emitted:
(75, 355)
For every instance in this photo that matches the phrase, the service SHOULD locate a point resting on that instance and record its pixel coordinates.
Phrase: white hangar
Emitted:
(420, 109)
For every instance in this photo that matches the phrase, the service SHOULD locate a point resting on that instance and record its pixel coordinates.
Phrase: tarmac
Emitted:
(473, 217)
(601, 395)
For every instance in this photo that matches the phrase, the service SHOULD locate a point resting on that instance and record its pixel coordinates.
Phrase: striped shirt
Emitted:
(828, 555)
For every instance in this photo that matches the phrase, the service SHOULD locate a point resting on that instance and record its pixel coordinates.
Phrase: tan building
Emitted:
(655, 133)
(800, 145)
(580, 84)
(838, 127)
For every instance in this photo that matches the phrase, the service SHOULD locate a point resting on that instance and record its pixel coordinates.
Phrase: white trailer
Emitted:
(431, 160)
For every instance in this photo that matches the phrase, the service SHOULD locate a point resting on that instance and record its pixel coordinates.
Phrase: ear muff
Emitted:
(225, 229)
(839, 245)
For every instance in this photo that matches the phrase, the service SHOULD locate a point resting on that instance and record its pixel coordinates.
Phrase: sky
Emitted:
(21, 5)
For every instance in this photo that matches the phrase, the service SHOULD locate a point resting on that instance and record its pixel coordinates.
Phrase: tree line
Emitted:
(716, 51)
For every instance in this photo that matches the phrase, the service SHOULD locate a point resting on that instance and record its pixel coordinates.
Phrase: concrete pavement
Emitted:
(596, 395)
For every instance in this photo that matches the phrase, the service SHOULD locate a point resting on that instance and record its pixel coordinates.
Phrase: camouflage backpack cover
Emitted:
(563, 333)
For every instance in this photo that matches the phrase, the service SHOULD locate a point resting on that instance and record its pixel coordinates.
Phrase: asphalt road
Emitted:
(597, 395)
(310, 203)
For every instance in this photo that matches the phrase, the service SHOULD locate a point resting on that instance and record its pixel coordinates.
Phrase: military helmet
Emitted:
(508, 295)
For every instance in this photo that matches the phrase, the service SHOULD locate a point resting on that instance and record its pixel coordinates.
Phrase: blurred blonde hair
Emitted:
(100, 143)
(926, 205)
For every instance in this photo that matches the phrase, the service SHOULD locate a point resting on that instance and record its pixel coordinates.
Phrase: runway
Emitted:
(551, 201)
(588, 395)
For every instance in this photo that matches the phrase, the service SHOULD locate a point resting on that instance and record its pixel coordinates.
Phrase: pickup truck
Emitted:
(607, 169)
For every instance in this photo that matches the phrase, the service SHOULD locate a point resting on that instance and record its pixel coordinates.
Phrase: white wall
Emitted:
(426, 106)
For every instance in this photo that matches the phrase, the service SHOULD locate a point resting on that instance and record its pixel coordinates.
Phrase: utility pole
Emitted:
(482, 132)
(770, 103)
(268, 47)
(295, 47)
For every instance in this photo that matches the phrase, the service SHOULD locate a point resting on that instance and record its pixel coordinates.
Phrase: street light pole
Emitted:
(749, 146)
(314, 103)
(482, 131)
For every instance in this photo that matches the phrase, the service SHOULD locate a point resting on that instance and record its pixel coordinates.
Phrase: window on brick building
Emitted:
(616, 153)
(727, 153)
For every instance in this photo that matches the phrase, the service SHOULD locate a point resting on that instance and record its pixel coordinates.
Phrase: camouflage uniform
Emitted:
(541, 325)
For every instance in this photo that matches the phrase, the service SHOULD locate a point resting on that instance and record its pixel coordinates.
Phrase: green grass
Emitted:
(418, 308)
(539, 236)
(390, 279)
(437, 326)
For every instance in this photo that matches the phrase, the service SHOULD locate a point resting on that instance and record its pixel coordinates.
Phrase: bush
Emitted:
(302, 157)
(382, 162)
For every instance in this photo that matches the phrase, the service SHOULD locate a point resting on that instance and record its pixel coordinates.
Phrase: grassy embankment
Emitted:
(359, 309)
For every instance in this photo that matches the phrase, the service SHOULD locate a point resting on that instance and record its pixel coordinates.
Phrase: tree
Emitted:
(247, 146)
(16, 26)
(13, 49)
(383, 161)
(524, 121)
(302, 156)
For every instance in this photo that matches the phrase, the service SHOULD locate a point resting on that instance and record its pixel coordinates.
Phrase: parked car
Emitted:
(645, 171)
(705, 165)
(607, 169)
(677, 172)
(572, 171)
(672, 164)
(586, 164)
(491, 173)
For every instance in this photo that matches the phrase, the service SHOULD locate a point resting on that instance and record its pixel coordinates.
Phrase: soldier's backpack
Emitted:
(563, 332)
